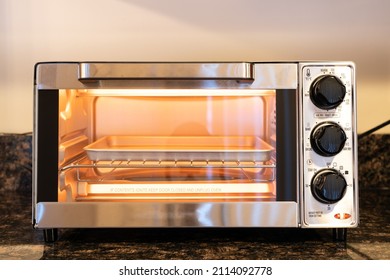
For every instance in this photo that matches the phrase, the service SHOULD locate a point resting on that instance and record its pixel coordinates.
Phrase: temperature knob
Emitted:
(327, 139)
(328, 186)
(327, 92)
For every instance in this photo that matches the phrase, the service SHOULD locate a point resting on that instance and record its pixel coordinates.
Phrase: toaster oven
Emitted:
(194, 144)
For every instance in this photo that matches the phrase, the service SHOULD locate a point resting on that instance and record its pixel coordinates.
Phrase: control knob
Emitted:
(328, 139)
(327, 92)
(328, 186)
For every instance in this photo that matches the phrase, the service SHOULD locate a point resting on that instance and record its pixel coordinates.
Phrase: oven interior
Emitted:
(164, 145)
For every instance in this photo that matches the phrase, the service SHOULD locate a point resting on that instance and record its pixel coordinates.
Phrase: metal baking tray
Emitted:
(175, 148)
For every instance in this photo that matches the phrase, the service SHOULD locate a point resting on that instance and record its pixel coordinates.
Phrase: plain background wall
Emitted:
(201, 30)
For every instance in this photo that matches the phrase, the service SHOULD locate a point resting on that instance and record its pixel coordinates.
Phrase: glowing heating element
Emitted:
(179, 192)
(85, 189)
(177, 92)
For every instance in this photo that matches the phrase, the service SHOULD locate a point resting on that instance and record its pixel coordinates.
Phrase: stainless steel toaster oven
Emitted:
(194, 144)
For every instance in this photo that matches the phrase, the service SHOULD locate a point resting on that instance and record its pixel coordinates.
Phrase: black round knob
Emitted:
(328, 186)
(327, 92)
(327, 139)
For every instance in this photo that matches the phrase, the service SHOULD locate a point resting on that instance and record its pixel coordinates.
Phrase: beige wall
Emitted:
(50, 30)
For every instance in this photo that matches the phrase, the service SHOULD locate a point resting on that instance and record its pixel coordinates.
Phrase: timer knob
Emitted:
(327, 139)
(327, 92)
(328, 186)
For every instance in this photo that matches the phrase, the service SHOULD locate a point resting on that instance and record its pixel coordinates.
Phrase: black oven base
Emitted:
(51, 235)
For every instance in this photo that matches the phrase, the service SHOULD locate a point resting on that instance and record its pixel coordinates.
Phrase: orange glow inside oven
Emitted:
(187, 145)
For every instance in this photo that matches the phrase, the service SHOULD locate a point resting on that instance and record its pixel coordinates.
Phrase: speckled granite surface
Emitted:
(374, 161)
(15, 162)
(371, 240)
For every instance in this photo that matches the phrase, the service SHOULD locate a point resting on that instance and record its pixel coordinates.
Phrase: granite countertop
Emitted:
(371, 240)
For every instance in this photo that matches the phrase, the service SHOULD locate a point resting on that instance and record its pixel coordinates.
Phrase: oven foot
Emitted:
(340, 234)
(50, 235)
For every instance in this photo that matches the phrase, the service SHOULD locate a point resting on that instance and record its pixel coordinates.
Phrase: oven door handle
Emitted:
(95, 71)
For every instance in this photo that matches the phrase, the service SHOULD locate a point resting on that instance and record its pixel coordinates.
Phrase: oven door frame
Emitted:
(49, 213)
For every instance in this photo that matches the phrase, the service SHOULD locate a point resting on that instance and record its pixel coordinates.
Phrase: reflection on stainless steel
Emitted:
(180, 70)
(265, 75)
(162, 214)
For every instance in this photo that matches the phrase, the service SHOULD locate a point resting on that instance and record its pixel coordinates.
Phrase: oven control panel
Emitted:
(328, 130)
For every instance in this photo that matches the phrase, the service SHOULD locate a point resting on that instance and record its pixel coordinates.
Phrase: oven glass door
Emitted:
(167, 145)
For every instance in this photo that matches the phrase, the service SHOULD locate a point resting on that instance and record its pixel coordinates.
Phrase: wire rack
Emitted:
(115, 170)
